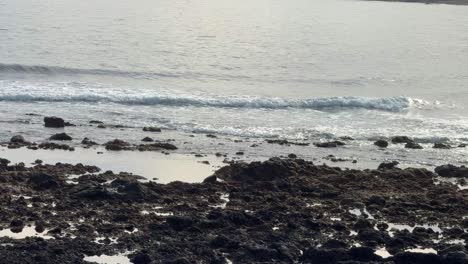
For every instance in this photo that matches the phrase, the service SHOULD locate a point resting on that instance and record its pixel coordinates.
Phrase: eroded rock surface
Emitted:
(276, 211)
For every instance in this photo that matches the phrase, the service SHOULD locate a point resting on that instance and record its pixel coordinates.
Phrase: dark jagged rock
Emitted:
(413, 145)
(117, 144)
(441, 146)
(377, 200)
(381, 143)
(452, 171)
(96, 122)
(17, 139)
(456, 257)
(286, 142)
(324, 256)
(88, 142)
(330, 144)
(156, 146)
(364, 254)
(210, 179)
(141, 258)
(179, 223)
(388, 165)
(4, 162)
(61, 137)
(416, 258)
(277, 211)
(53, 121)
(132, 190)
(52, 145)
(401, 139)
(93, 192)
(152, 129)
(147, 139)
(42, 181)
(272, 169)
(17, 223)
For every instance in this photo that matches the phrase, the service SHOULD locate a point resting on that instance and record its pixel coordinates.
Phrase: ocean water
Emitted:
(304, 70)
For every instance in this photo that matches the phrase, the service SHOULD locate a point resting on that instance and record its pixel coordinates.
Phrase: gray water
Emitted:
(302, 69)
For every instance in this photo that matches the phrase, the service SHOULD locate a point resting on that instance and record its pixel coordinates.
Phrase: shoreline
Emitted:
(332, 149)
(154, 201)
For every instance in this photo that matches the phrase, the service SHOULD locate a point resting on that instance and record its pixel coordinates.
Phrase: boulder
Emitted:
(88, 142)
(116, 145)
(441, 146)
(4, 162)
(270, 170)
(17, 139)
(381, 143)
(152, 129)
(210, 179)
(61, 136)
(156, 146)
(53, 121)
(96, 122)
(452, 171)
(413, 145)
(330, 144)
(388, 165)
(401, 139)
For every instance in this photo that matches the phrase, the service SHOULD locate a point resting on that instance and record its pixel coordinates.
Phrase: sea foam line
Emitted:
(386, 104)
(18, 91)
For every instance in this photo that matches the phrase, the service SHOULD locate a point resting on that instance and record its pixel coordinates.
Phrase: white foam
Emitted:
(75, 92)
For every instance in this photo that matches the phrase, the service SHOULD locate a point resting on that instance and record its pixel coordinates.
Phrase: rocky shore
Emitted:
(277, 211)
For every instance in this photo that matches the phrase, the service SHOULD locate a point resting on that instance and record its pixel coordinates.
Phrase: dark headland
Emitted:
(447, 2)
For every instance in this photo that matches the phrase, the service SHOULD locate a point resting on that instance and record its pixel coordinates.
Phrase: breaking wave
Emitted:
(76, 92)
(393, 104)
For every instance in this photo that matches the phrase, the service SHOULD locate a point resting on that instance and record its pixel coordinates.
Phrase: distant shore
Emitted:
(447, 2)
